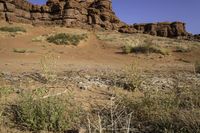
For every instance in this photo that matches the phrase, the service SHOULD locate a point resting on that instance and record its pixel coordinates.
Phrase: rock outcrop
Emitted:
(90, 14)
(70, 13)
(197, 37)
(164, 29)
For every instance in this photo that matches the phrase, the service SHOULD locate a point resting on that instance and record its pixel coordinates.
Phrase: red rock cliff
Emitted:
(97, 14)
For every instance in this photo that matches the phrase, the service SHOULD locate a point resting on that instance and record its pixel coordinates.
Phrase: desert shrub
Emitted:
(19, 50)
(182, 49)
(66, 39)
(197, 67)
(48, 66)
(4, 91)
(50, 114)
(167, 111)
(127, 49)
(146, 47)
(133, 77)
(110, 117)
(39, 38)
(175, 110)
(12, 29)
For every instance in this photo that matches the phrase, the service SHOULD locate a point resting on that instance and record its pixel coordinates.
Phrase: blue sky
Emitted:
(144, 11)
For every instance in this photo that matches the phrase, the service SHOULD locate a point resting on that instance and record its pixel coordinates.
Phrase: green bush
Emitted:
(50, 114)
(12, 29)
(66, 39)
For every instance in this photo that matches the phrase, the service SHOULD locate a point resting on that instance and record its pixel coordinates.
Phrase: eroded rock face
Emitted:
(90, 14)
(96, 14)
(164, 29)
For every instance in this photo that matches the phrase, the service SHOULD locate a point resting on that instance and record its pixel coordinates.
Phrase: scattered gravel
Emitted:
(86, 80)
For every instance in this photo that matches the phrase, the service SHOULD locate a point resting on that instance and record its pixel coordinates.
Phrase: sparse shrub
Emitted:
(183, 49)
(160, 111)
(174, 110)
(133, 77)
(147, 47)
(39, 38)
(127, 49)
(110, 117)
(48, 65)
(12, 29)
(4, 91)
(197, 67)
(50, 114)
(66, 39)
(1, 115)
(18, 50)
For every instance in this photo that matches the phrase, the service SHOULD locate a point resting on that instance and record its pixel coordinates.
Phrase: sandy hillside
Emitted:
(94, 71)
(93, 52)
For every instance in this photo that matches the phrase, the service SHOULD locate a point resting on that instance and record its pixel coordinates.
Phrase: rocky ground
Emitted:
(93, 69)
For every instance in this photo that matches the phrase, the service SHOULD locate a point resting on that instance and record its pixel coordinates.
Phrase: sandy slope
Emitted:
(92, 53)
(21, 71)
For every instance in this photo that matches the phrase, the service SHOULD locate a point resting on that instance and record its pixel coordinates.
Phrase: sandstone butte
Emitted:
(89, 14)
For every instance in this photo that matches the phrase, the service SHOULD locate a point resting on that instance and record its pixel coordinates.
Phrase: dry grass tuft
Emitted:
(19, 50)
(12, 29)
(183, 49)
(146, 47)
(175, 110)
